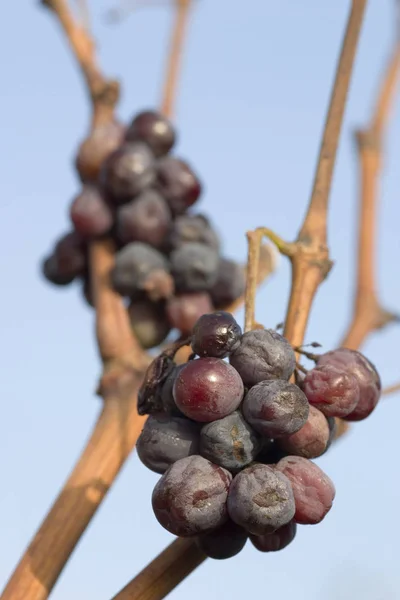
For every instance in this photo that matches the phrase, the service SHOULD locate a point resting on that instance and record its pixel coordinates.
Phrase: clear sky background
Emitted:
(253, 98)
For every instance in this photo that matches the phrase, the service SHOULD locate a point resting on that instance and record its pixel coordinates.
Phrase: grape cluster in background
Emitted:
(234, 440)
(168, 263)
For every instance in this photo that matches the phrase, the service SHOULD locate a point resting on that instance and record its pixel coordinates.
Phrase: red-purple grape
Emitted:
(261, 499)
(90, 214)
(275, 408)
(184, 310)
(208, 389)
(177, 183)
(312, 439)
(153, 129)
(216, 334)
(278, 540)
(263, 354)
(332, 390)
(224, 542)
(190, 498)
(144, 219)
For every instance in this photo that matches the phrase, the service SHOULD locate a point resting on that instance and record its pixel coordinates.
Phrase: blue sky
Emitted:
(252, 102)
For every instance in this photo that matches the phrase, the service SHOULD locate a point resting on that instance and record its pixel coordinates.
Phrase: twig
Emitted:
(368, 314)
(182, 8)
(310, 262)
(124, 363)
(391, 389)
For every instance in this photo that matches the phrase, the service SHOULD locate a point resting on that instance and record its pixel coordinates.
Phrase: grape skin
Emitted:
(153, 129)
(364, 371)
(133, 264)
(229, 442)
(311, 440)
(148, 322)
(261, 499)
(208, 389)
(166, 439)
(222, 543)
(229, 285)
(51, 272)
(90, 214)
(216, 334)
(263, 354)
(192, 228)
(194, 267)
(145, 219)
(184, 310)
(330, 389)
(313, 490)
(275, 408)
(276, 541)
(177, 183)
(167, 397)
(190, 498)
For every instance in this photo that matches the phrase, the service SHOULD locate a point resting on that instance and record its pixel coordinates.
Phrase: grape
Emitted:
(263, 354)
(90, 214)
(216, 334)
(149, 322)
(278, 540)
(153, 129)
(144, 219)
(53, 275)
(313, 491)
(364, 371)
(93, 151)
(185, 309)
(312, 439)
(190, 498)
(167, 396)
(158, 285)
(332, 424)
(133, 264)
(332, 390)
(224, 542)
(230, 283)
(229, 442)
(127, 172)
(192, 228)
(208, 389)
(271, 453)
(275, 408)
(68, 260)
(166, 439)
(194, 267)
(261, 499)
(177, 183)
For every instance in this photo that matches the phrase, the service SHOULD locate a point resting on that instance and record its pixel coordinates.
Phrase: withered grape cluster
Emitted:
(233, 440)
(168, 262)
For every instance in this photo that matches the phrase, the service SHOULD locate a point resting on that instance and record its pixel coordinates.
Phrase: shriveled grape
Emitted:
(229, 285)
(194, 267)
(149, 322)
(278, 540)
(224, 542)
(94, 150)
(184, 310)
(133, 264)
(332, 390)
(192, 228)
(311, 440)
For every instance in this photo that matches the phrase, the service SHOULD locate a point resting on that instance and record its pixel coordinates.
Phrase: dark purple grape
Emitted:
(230, 442)
(94, 150)
(312, 439)
(194, 229)
(90, 214)
(133, 265)
(216, 334)
(261, 499)
(194, 267)
(177, 183)
(367, 377)
(166, 439)
(313, 491)
(273, 542)
(53, 275)
(184, 310)
(332, 390)
(208, 389)
(230, 283)
(224, 542)
(68, 260)
(127, 172)
(190, 498)
(275, 408)
(149, 322)
(263, 354)
(167, 396)
(144, 219)
(153, 129)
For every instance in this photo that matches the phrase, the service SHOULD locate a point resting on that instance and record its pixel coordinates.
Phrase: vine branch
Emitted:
(310, 265)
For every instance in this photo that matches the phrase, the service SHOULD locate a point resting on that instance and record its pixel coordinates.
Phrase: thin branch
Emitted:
(391, 389)
(124, 362)
(182, 8)
(310, 262)
(368, 314)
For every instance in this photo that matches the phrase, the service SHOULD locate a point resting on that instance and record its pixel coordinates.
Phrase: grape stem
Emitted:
(124, 363)
(391, 389)
(310, 265)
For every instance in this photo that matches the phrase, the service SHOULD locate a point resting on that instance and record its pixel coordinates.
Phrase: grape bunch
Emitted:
(233, 441)
(169, 264)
